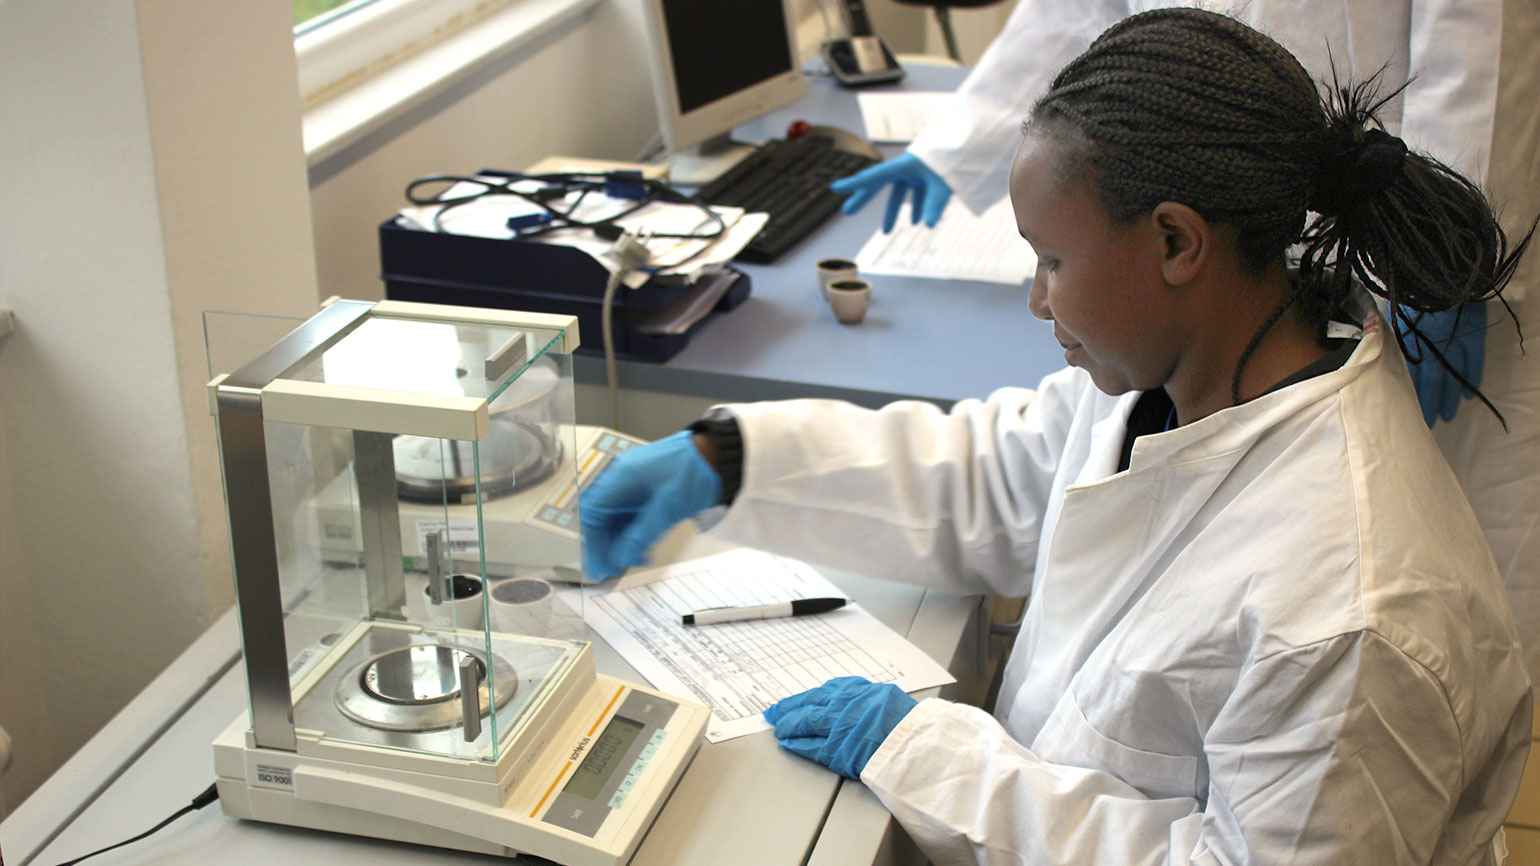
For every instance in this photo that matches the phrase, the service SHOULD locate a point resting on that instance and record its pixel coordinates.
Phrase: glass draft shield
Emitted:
(401, 489)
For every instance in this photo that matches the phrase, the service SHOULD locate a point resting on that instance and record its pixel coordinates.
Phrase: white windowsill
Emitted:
(344, 119)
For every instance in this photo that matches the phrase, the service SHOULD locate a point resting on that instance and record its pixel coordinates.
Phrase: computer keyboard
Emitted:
(790, 181)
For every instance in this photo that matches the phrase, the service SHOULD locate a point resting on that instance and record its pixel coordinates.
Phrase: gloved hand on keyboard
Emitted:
(907, 174)
(639, 497)
(1464, 347)
(841, 723)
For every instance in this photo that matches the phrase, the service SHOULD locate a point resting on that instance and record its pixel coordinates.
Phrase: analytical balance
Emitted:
(419, 679)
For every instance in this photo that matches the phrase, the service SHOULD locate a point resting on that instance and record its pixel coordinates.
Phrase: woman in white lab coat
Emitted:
(1264, 626)
(1470, 86)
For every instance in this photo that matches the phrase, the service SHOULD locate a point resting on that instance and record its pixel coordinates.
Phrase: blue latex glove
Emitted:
(641, 495)
(906, 173)
(1463, 345)
(841, 723)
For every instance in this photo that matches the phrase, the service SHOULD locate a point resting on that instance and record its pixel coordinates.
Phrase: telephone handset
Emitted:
(855, 17)
(863, 58)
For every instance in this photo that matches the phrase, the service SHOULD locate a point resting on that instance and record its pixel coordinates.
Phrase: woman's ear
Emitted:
(1186, 241)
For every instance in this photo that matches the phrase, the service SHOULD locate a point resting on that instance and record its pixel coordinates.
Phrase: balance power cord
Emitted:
(209, 795)
(631, 253)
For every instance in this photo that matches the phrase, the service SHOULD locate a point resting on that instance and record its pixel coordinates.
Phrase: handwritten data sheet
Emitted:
(738, 669)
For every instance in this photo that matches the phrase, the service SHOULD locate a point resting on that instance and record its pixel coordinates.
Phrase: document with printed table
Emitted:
(986, 248)
(737, 669)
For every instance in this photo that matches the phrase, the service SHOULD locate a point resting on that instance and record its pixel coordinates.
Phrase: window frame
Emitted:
(339, 51)
(349, 110)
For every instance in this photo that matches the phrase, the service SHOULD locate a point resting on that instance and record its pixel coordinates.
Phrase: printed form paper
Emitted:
(738, 669)
(987, 247)
(898, 117)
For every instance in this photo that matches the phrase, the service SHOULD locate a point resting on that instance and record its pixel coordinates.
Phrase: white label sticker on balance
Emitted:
(274, 777)
(303, 661)
(462, 534)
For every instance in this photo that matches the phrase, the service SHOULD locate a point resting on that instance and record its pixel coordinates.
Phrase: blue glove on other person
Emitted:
(841, 723)
(906, 173)
(1464, 346)
(639, 497)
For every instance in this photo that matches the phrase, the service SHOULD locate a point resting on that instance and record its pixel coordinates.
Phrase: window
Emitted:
(309, 14)
(341, 42)
(366, 62)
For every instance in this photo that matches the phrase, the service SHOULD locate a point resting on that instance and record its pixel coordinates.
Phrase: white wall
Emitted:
(974, 29)
(150, 168)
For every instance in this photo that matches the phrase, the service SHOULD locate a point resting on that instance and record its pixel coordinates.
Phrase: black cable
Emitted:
(562, 183)
(209, 795)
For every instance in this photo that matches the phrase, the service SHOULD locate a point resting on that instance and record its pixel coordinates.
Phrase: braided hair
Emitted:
(1195, 107)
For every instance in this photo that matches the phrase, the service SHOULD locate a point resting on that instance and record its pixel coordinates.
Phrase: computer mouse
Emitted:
(843, 139)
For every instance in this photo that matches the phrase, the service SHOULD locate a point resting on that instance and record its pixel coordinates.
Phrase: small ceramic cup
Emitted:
(830, 270)
(462, 603)
(849, 299)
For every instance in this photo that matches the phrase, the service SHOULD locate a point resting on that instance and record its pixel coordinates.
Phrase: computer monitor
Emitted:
(717, 64)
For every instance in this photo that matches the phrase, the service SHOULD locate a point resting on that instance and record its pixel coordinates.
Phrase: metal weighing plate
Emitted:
(417, 688)
(413, 717)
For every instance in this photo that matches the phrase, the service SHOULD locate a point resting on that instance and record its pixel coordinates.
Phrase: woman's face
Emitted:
(1098, 282)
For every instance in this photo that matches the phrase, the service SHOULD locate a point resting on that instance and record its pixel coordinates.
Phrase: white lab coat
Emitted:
(1277, 638)
(1452, 44)
(1500, 470)
(1470, 102)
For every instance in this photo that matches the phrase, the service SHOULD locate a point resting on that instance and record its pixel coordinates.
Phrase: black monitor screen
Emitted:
(723, 46)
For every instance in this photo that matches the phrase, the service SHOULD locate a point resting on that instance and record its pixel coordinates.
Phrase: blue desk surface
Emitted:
(940, 340)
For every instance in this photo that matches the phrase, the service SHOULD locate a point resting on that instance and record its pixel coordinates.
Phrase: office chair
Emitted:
(943, 10)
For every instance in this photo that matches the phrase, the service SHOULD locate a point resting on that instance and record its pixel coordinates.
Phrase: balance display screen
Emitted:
(603, 758)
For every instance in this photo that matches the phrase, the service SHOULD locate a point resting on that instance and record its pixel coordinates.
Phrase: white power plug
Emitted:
(631, 251)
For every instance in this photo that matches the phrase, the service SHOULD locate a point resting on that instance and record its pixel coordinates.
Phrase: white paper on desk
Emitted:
(738, 669)
(898, 117)
(487, 217)
(987, 248)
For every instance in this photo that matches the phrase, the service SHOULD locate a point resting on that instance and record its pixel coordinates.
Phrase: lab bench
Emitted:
(743, 801)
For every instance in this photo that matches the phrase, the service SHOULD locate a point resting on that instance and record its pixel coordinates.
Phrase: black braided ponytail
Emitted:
(1195, 107)
(1411, 229)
